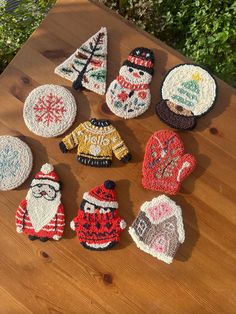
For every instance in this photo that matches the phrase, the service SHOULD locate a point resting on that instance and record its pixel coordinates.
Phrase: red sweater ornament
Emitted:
(97, 224)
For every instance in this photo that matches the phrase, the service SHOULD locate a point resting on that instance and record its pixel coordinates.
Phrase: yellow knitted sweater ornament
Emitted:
(96, 141)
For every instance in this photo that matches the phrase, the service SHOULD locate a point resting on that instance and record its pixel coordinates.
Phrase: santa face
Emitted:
(42, 204)
(135, 76)
(44, 190)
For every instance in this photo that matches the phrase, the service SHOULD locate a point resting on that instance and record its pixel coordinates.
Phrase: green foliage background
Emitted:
(18, 24)
(203, 30)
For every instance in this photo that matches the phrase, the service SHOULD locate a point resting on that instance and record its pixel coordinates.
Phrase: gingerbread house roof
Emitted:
(161, 208)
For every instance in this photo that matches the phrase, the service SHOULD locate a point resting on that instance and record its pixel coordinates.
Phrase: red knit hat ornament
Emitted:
(165, 165)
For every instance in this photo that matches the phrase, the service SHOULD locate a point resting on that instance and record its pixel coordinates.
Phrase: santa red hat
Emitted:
(48, 176)
(103, 196)
(141, 58)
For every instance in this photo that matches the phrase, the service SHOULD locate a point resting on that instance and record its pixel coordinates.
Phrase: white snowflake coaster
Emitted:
(15, 162)
(49, 110)
(87, 67)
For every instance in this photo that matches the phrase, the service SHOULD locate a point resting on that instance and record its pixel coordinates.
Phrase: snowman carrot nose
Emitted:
(135, 74)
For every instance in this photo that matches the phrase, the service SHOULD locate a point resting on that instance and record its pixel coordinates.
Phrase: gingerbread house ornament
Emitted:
(158, 229)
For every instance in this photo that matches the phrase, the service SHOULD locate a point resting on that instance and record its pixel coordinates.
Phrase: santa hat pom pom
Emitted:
(47, 168)
(109, 185)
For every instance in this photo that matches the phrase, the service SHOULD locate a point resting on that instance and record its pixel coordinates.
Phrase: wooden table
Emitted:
(62, 277)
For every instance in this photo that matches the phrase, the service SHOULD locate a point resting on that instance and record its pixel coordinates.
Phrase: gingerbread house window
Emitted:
(170, 227)
(141, 227)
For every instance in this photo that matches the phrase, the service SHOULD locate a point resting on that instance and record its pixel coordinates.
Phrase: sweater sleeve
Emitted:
(119, 148)
(20, 214)
(60, 220)
(73, 139)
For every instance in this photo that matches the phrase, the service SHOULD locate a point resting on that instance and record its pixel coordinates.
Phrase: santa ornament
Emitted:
(41, 215)
(97, 224)
(129, 95)
(188, 91)
(158, 228)
(87, 66)
(165, 165)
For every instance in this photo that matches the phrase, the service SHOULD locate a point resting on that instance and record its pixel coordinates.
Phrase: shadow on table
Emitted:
(223, 98)
(125, 212)
(69, 196)
(191, 230)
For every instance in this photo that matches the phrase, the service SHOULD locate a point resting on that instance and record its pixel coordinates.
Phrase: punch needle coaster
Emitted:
(40, 215)
(165, 165)
(128, 96)
(98, 225)
(15, 162)
(49, 110)
(87, 67)
(158, 229)
(188, 91)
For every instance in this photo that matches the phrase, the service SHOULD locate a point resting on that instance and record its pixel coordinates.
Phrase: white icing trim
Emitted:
(147, 249)
(93, 200)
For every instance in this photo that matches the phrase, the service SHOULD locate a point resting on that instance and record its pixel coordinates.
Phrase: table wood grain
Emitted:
(62, 277)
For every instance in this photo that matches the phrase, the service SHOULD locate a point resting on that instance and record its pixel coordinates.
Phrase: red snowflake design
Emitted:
(49, 109)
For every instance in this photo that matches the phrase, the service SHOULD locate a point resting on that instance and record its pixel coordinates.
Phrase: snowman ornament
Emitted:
(128, 96)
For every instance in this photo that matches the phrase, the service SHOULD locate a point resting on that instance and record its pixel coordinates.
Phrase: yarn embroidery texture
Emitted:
(165, 165)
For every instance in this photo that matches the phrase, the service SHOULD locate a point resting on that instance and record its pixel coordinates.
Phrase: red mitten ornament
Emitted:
(165, 165)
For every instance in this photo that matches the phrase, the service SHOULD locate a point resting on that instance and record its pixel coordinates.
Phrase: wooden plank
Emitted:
(63, 277)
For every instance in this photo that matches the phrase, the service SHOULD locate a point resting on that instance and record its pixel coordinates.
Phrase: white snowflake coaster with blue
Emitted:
(15, 162)
(49, 110)
(87, 66)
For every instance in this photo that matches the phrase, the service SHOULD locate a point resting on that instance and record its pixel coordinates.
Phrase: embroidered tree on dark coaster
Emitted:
(87, 66)
(188, 91)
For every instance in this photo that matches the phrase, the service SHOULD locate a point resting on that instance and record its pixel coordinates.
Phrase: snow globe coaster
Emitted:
(15, 162)
(188, 91)
(49, 110)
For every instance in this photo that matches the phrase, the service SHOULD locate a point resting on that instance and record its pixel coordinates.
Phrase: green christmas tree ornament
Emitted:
(87, 66)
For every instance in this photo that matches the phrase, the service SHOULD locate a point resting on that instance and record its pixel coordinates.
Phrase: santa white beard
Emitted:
(40, 210)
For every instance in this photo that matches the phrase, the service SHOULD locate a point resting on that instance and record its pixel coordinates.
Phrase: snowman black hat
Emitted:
(142, 59)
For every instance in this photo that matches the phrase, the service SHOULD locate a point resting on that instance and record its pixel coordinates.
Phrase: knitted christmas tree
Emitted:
(187, 93)
(87, 67)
